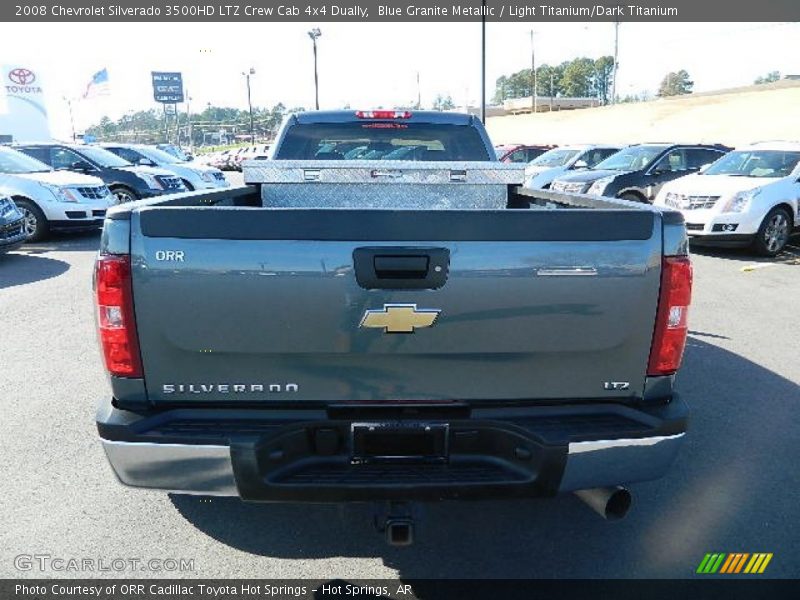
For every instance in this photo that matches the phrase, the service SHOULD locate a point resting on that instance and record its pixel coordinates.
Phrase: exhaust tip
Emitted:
(610, 503)
(618, 505)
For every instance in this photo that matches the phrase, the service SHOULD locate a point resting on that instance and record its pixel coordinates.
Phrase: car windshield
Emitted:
(634, 158)
(13, 162)
(174, 151)
(558, 157)
(102, 157)
(756, 163)
(159, 156)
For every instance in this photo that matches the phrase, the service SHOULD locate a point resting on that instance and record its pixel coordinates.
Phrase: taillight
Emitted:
(115, 317)
(671, 328)
(383, 114)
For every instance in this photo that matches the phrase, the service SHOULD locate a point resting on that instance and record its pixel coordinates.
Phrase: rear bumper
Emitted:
(491, 453)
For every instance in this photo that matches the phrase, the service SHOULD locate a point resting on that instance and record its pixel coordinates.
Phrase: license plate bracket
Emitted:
(399, 443)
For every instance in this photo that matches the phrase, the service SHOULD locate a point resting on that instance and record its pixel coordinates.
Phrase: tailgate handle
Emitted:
(389, 268)
(412, 266)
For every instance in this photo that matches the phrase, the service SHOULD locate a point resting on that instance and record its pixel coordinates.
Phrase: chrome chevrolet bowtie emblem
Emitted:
(399, 318)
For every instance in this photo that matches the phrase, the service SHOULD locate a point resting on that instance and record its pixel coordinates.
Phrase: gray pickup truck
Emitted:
(300, 339)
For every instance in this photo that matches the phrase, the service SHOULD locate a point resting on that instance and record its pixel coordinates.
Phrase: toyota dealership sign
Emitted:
(23, 112)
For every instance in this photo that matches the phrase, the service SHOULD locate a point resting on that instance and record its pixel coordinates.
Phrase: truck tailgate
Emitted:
(264, 305)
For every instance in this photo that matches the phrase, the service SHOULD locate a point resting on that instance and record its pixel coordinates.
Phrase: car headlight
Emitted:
(151, 181)
(9, 210)
(599, 186)
(740, 201)
(61, 194)
(206, 176)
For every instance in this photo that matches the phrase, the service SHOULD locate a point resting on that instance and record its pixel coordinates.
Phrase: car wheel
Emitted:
(35, 223)
(773, 233)
(632, 197)
(124, 194)
(187, 185)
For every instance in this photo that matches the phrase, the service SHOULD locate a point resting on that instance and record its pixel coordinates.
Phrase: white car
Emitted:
(748, 197)
(195, 175)
(259, 152)
(52, 200)
(12, 225)
(543, 169)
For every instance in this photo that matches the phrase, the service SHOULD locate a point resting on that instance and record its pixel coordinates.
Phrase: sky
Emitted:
(370, 64)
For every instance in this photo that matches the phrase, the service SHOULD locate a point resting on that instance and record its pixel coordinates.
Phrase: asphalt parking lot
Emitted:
(733, 488)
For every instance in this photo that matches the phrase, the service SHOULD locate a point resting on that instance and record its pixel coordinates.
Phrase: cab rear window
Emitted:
(379, 140)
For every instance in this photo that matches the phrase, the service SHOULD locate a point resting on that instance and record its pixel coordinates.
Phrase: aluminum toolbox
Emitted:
(383, 184)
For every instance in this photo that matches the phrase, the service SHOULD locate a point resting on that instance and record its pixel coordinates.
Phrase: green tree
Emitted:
(604, 78)
(768, 78)
(675, 84)
(443, 103)
(500, 90)
(578, 78)
(148, 126)
(548, 79)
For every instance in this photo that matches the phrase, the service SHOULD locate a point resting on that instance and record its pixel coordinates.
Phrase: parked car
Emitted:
(541, 171)
(194, 176)
(126, 181)
(519, 153)
(12, 225)
(222, 160)
(749, 197)
(52, 200)
(420, 355)
(638, 172)
(260, 151)
(175, 151)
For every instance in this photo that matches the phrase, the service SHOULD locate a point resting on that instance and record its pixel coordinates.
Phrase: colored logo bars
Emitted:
(736, 562)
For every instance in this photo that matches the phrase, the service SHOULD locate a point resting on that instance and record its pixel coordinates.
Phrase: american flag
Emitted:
(98, 85)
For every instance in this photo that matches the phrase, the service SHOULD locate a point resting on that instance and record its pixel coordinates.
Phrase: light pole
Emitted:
(483, 62)
(616, 63)
(314, 34)
(247, 75)
(189, 121)
(534, 102)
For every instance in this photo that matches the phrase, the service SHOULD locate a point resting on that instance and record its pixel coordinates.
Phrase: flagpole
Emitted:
(71, 118)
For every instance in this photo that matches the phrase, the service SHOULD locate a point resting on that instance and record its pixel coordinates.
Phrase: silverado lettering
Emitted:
(227, 388)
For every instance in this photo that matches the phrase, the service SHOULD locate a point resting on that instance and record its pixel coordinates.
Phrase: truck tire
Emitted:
(36, 225)
(124, 194)
(774, 232)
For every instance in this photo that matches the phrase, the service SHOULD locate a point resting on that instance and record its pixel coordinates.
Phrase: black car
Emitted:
(638, 172)
(12, 225)
(126, 181)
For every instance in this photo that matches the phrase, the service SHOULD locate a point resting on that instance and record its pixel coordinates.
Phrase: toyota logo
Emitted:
(22, 76)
